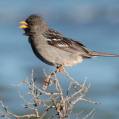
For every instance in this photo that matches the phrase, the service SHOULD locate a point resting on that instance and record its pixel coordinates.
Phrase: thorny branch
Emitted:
(57, 101)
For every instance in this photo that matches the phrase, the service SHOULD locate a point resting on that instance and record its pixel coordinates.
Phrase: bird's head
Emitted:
(33, 24)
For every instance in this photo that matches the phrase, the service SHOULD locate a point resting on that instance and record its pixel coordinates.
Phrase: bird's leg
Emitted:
(59, 68)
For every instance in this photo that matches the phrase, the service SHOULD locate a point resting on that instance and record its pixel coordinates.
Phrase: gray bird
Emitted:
(52, 47)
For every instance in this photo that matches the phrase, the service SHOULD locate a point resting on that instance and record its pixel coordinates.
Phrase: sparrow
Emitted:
(52, 47)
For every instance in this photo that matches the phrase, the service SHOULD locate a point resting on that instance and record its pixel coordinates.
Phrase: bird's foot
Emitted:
(59, 68)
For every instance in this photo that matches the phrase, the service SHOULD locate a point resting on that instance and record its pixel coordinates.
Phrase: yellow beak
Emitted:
(23, 25)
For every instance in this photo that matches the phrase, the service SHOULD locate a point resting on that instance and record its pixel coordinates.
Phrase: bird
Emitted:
(54, 48)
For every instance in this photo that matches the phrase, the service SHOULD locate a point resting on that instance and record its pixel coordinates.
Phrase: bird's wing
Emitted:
(57, 40)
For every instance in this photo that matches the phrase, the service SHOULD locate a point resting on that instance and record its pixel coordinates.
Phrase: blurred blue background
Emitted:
(93, 22)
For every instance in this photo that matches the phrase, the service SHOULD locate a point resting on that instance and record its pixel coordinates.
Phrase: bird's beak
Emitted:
(23, 25)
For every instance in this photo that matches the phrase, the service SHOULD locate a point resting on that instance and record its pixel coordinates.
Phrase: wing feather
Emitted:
(59, 41)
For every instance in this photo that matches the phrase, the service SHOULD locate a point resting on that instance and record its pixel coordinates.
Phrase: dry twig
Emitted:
(56, 100)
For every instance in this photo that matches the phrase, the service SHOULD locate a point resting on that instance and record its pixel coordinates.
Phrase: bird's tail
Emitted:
(93, 53)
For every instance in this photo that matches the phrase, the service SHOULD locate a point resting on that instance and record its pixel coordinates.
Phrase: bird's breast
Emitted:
(52, 55)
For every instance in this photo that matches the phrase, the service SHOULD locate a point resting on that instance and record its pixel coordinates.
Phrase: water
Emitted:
(95, 23)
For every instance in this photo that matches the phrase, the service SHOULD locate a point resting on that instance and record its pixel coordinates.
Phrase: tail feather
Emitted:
(93, 53)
